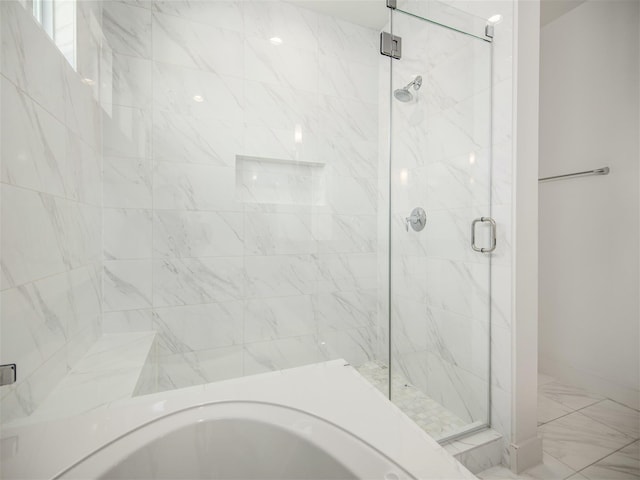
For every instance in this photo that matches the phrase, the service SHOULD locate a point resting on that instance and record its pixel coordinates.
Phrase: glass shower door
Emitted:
(440, 199)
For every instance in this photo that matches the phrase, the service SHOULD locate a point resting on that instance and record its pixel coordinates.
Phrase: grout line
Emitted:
(606, 456)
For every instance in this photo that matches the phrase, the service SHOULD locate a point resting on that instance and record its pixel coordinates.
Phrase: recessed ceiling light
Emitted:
(494, 19)
(198, 98)
(88, 81)
(275, 41)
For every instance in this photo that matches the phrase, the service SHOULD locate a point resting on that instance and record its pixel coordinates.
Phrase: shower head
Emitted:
(403, 94)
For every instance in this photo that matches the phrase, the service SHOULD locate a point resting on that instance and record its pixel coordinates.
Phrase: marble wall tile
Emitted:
(293, 25)
(185, 186)
(197, 234)
(127, 234)
(280, 107)
(353, 196)
(285, 65)
(293, 144)
(131, 82)
(462, 392)
(334, 34)
(33, 150)
(174, 89)
(346, 272)
(349, 157)
(283, 353)
(127, 182)
(190, 328)
(83, 172)
(41, 80)
(23, 399)
(188, 139)
(82, 113)
(280, 275)
(188, 43)
(460, 340)
(461, 288)
(85, 298)
(197, 280)
(30, 233)
(34, 321)
(350, 119)
(203, 366)
(219, 234)
(127, 132)
(127, 321)
(356, 346)
(51, 215)
(222, 13)
(349, 80)
(278, 233)
(408, 328)
(127, 29)
(346, 233)
(344, 310)
(279, 317)
(80, 344)
(413, 366)
(127, 284)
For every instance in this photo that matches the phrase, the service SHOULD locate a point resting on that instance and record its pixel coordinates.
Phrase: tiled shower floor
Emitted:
(428, 414)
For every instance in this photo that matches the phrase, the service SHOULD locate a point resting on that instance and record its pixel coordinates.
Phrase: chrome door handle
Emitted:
(491, 222)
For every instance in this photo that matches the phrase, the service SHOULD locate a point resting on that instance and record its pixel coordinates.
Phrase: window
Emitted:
(58, 19)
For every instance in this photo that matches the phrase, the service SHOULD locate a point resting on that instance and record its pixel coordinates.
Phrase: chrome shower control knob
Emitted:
(417, 219)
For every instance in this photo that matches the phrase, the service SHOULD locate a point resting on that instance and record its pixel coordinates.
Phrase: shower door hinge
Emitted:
(392, 3)
(390, 45)
(488, 30)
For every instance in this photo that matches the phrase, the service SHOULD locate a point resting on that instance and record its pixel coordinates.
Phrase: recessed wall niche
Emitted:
(279, 182)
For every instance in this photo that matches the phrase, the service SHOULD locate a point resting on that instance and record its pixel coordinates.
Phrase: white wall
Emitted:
(589, 240)
(238, 274)
(51, 206)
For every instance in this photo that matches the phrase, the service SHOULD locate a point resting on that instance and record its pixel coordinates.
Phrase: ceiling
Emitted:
(374, 14)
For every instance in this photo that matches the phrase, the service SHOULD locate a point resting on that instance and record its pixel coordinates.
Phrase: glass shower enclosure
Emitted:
(441, 232)
(253, 187)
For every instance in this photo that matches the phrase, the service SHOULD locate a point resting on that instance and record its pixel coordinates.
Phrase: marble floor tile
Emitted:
(577, 476)
(578, 441)
(622, 465)
(572, 397)
(550, 410)
(615, 415)
(497, 473)
(550, 469)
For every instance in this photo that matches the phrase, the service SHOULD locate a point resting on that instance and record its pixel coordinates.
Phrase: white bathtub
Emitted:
(238, 440)
(321, 421)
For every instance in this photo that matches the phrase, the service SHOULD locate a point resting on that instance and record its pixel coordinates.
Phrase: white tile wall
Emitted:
(51, 196)
(248, 260)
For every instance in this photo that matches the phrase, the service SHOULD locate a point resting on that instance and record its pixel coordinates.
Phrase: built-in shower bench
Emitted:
(112, 369)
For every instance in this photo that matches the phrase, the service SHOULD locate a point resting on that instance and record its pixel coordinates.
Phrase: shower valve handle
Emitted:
(417, 219)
